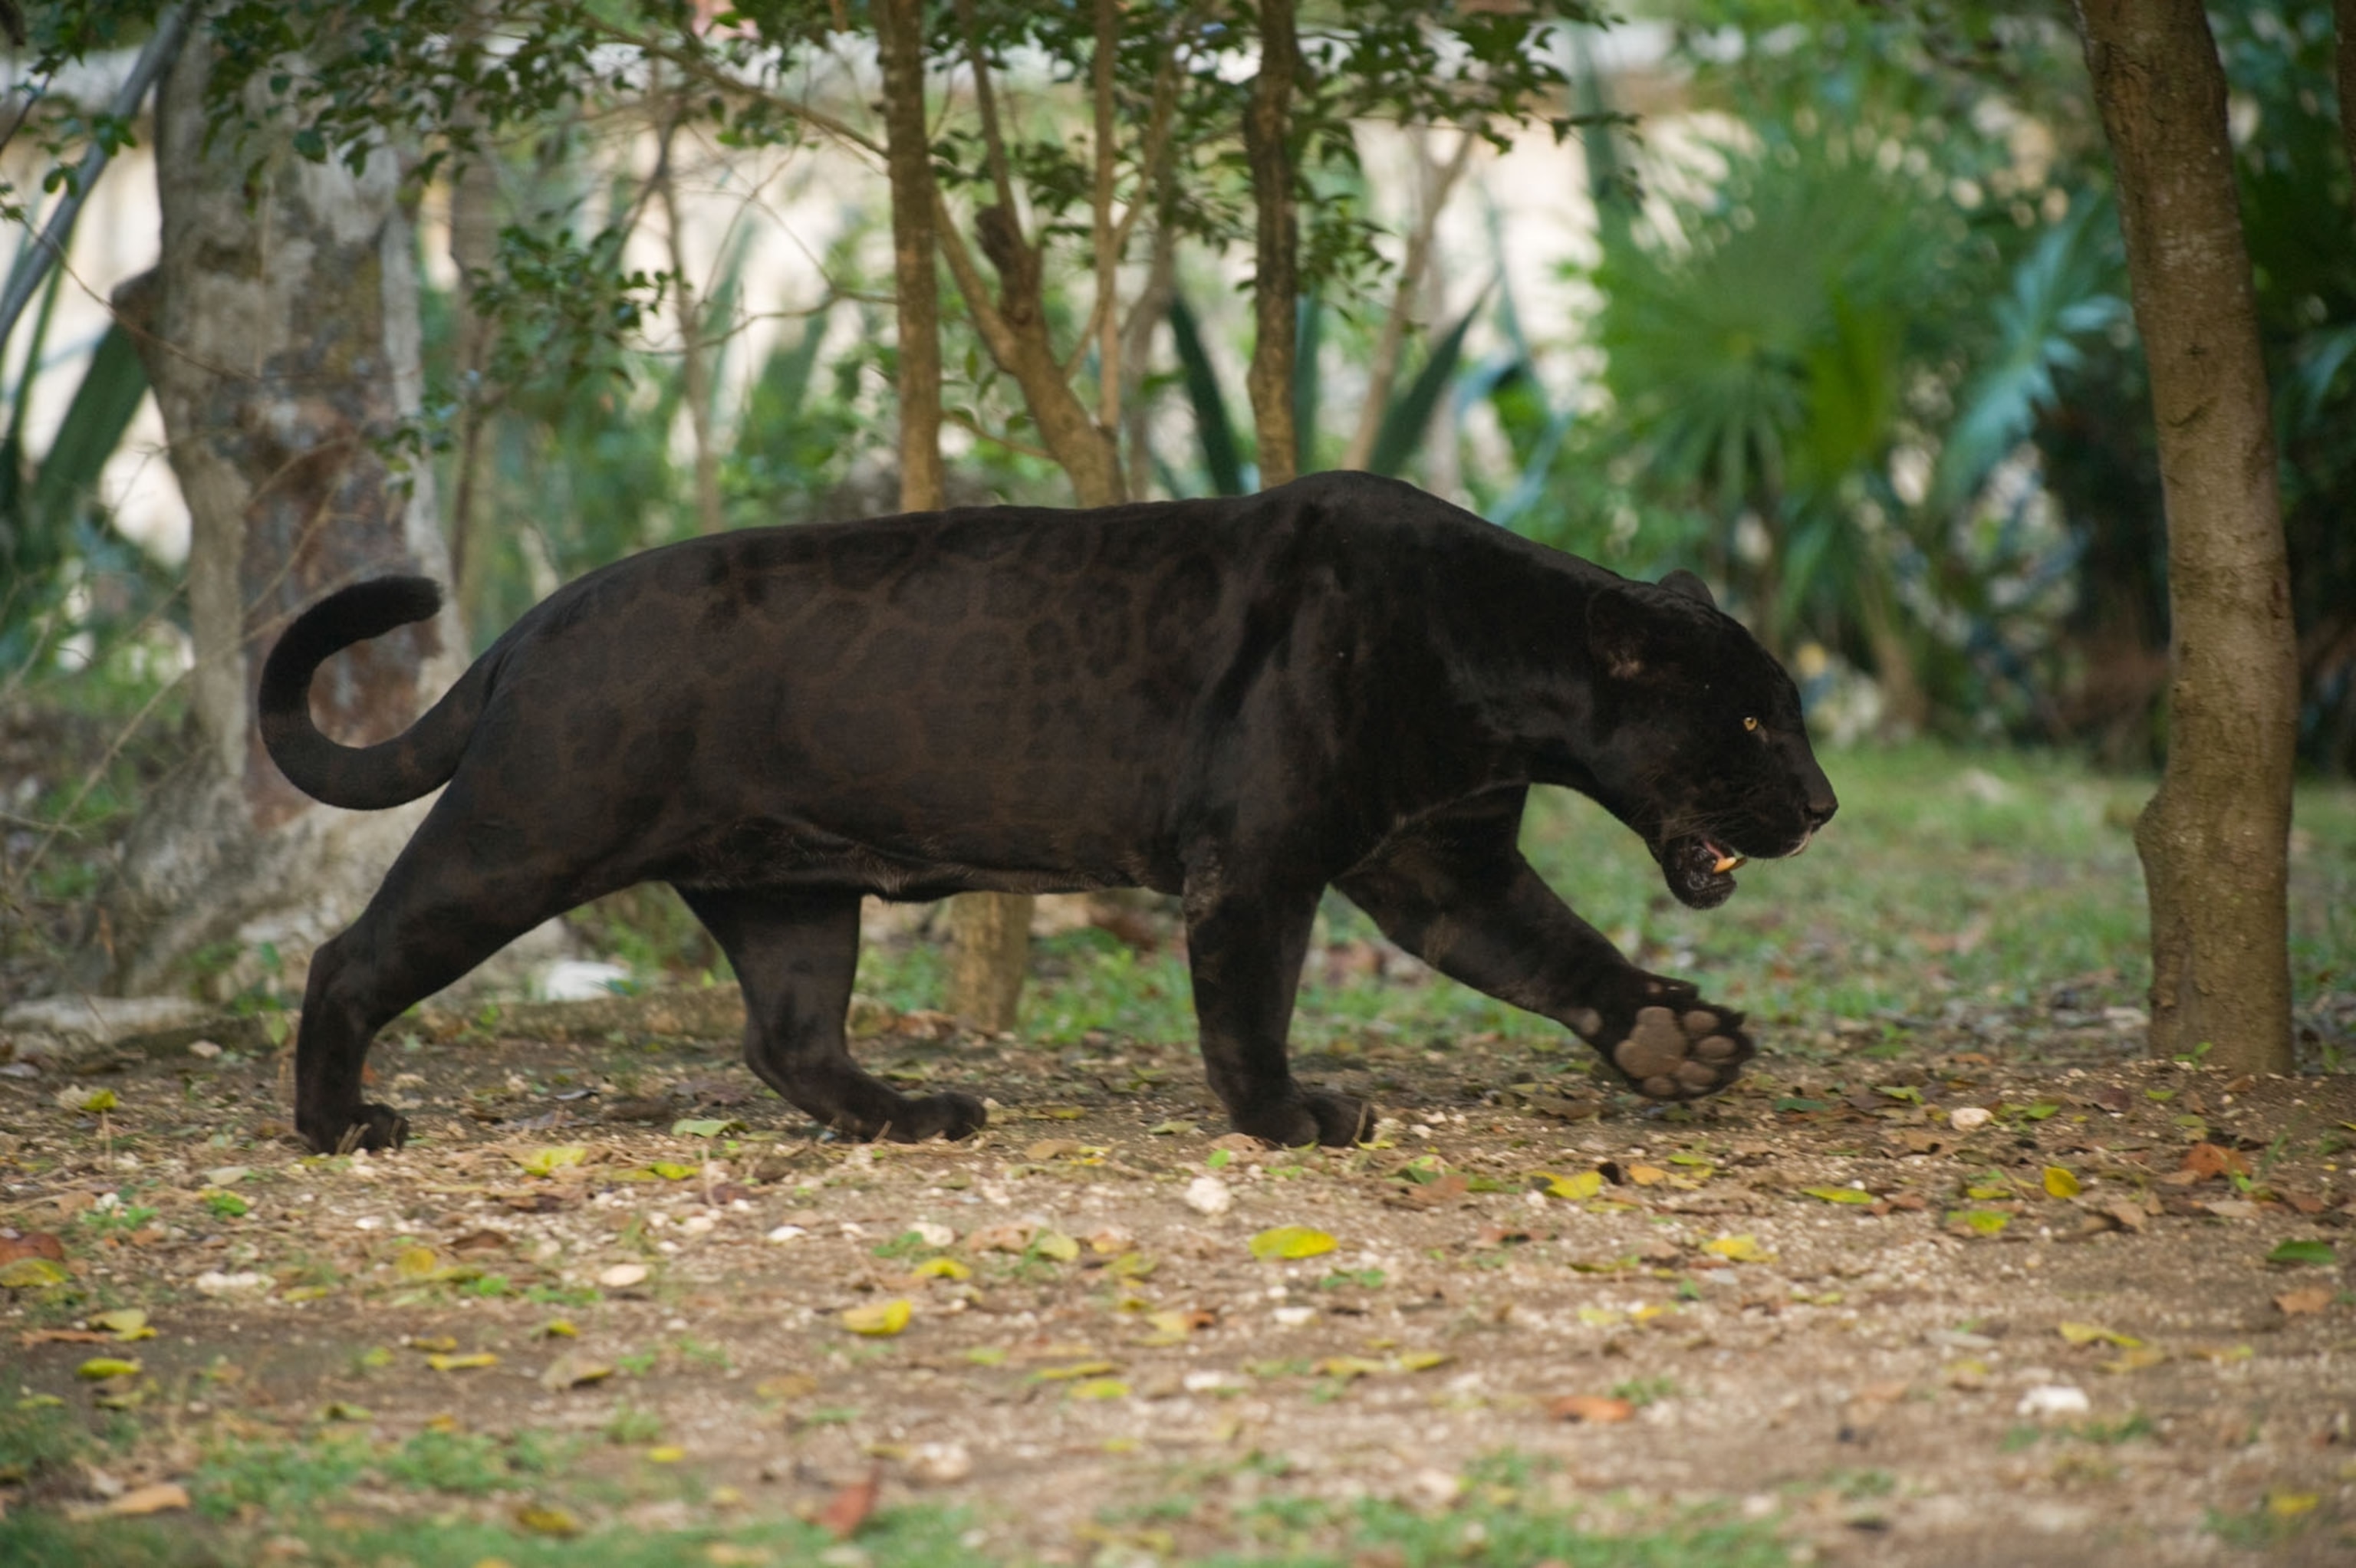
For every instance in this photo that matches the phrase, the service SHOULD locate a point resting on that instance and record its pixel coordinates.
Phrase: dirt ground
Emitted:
(1827, 1308)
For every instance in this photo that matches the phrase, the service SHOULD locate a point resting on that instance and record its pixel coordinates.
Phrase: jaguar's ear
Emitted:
(1692, 587)
(1618, 632)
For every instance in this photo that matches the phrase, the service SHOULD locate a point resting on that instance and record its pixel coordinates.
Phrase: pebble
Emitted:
(623, 1275)
(940, 1463)
(1964, 1118)
(213, 1282)
(1209, 1195)
(2053, 1399)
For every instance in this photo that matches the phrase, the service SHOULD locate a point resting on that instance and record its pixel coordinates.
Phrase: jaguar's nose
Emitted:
(1821, 808)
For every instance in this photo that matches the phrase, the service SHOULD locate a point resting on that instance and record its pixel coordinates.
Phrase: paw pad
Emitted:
(1669, 1056)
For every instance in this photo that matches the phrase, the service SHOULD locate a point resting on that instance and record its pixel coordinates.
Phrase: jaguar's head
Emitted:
(1700, 744)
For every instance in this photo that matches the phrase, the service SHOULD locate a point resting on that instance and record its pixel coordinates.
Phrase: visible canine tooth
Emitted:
(1727, 863)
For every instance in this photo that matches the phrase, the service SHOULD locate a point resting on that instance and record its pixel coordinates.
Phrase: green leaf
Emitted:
(1212, 429)
(1408, 414)
(1838, 1194)
(93, 426)
(2318, 1254)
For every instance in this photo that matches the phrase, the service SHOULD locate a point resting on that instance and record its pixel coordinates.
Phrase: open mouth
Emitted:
(1699, 869)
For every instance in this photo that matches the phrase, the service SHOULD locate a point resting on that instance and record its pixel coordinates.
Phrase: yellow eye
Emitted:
(1750, 723)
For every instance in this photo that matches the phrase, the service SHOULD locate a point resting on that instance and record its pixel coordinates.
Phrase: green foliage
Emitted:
(36, 1439)
(278, 1476)
(466, 1463)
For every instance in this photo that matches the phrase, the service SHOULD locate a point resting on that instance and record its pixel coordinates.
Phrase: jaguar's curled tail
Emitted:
(362, 778)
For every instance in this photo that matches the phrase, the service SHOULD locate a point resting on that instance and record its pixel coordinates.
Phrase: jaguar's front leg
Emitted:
(1245, 946)
(1456, 892)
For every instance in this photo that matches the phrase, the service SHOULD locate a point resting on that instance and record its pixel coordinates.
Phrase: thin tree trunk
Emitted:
(990, 934)
(2214, 840)
(1147, 312)
(1276, 272)
(695, 360)
(1435, 183)
(899, 26)
(1013, 326)
(280, 334)
(474, 234)
(1107, 248)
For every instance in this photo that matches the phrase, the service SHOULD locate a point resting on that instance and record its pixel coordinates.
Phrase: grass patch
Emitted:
(1490, 1534)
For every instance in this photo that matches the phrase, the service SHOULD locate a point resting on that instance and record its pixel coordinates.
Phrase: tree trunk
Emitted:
(1014, 325)
(1276, 272)
(990, 934)
(2214, 840)
(695, 359)
(280, 334)
(473, 242)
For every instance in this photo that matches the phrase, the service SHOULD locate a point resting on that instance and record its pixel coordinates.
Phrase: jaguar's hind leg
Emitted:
(452, 899)
(795, 954)
(1456, 893)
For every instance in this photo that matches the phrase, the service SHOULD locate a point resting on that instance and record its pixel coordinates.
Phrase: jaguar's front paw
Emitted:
(950, 1116)
(366, 1126)
(1308, 1116)
(1679, 1048)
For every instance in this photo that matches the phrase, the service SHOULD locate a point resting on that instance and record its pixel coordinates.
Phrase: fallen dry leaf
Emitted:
(32, 1244)
(153, 1498)
(852, 1504)
(2305, 1298)
(1290, 1241)
(2092, 1333)
(573, 1369)
(2207, 1162)
(879, 1319)
(1010, 1237)
(1596, 1408)
(543, 1520)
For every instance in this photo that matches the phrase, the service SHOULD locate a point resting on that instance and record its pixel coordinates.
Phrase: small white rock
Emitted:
(1295, 1317)
(1211, 1382)
(213, 1282)
(2053, 1399)
(940, 1463)
(697, 1224)
(933, 1233)
(228, 1175)
(787, 1233)
(1434, 1488)
(204, 1048)
(1964, 1118)
(1209, 1196)
(622, 1275)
